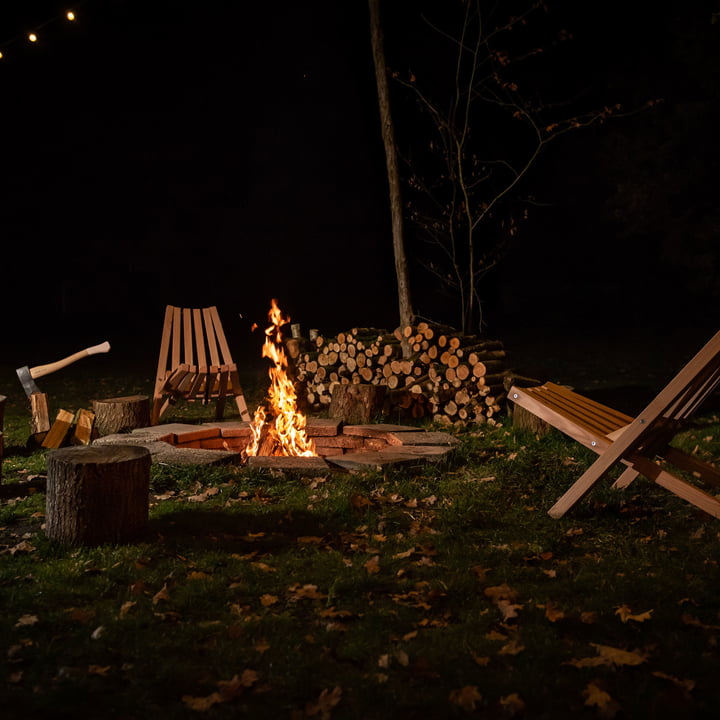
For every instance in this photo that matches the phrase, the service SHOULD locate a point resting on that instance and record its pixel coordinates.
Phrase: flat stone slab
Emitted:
(283, 462)
(195, 456)
(165, 453)
(376, 459)
(376, 429)
(421, 438)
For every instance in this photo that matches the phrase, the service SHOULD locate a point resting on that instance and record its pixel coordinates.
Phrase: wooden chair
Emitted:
(642, 443)
(195, 363)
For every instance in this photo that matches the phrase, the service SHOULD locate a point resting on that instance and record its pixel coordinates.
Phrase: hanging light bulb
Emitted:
(32, 37)
(70, 15)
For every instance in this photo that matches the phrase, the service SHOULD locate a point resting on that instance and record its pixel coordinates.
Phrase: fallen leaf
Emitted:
(198, 575)
(327, 700)
(22, 547)
(161, 594)
(466, 697)
(686, 685)
(101, 670)
(597, 697)
(372, 566)
(514, 647)
(267, 600)
(126, 607)
(307, 592)
(608, 655)
(261, 645)
(202, 704)
(25, 620)
(402, 657)
(626, 614)
(553, 613)
(512, 704)
(508, 609)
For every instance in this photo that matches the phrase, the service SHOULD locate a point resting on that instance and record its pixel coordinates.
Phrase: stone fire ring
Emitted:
(354, 448)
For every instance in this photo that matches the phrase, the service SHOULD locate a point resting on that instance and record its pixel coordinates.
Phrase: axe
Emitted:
(27, 375)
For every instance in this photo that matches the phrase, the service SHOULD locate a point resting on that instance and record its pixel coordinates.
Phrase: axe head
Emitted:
(27, 381)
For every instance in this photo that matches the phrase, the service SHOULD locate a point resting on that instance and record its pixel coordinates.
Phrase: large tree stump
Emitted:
(121, 414)
(97, 494)
(357, 404)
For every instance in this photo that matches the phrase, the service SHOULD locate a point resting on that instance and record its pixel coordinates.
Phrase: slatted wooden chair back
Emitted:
(195, 363)
(642, 443)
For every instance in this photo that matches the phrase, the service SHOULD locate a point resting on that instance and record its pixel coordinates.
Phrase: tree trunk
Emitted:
(121, 414)
(388, 134)
(97, 494)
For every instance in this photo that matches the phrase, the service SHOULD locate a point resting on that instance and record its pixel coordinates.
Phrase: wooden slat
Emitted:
(187, 336)
(210, 337)
(199, 340)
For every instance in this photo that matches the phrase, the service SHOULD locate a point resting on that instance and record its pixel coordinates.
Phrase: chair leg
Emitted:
(625, 479)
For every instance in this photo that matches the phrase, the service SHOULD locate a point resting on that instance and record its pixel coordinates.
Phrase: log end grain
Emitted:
(121, 414)
(97, 494)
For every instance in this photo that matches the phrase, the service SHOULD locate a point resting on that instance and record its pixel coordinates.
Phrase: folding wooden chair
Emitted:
(190, 366)
(640, 443)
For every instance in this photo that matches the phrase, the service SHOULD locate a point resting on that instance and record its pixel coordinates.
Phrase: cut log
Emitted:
(39, 417)
(97, 494)
(357, 403)
(121, 414)
(84, 431)
(59, 431)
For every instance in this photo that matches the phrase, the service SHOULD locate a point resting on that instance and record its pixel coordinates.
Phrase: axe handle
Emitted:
(40, 370)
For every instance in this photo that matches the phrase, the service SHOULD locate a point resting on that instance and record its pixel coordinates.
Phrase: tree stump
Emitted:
(121, 414)
(525, 420)
(97, 494)
(357, 404)
(2, 416)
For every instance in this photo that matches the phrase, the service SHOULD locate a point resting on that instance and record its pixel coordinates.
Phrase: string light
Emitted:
(33, 36)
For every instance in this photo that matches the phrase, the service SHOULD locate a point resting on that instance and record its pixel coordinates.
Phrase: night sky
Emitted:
(225, 153)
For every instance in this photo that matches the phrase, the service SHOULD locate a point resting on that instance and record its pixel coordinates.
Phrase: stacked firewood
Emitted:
(430, 371)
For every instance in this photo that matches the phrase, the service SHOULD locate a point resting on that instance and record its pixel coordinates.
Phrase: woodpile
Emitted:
(452, 378)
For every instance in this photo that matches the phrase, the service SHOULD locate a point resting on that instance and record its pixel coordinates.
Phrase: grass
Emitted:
(433, 591)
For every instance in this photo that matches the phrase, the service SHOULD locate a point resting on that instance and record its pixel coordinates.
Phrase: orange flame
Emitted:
(279, 429)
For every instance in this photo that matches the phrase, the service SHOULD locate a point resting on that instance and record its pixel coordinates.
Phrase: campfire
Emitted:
(277, 427)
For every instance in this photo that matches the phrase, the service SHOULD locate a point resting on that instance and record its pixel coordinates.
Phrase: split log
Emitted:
(59, 431)
(84, 431)
(3, 398)
(39, 417)
(357, 404)
(97, 494)
(121, 414)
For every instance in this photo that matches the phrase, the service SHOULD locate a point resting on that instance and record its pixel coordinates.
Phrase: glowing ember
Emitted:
(278, 428)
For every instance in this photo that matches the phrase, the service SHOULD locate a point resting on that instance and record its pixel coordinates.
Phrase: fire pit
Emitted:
(280, 437)
(337, 446)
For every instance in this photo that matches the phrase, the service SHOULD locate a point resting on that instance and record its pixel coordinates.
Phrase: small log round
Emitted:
(357, 404)
(3, 398)
(97, 494)
(121, 414)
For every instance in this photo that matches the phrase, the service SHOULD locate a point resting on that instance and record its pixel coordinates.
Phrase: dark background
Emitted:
(225, 153)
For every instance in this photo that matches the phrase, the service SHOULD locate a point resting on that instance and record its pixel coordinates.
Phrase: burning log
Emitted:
(278, 427)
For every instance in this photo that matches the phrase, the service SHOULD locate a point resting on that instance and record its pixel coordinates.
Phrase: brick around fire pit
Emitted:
(347, 447)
